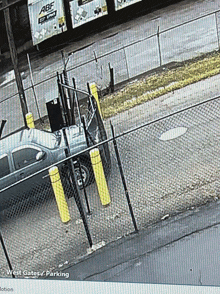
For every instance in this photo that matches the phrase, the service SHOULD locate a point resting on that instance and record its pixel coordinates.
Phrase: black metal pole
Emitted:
(123, 178)
(88, 88)
(74, 83)
(112, 83)
(76, 99)
(2, 126)
(6, 255)
(112, 80)
(65, 104)
(70, 107)
(14, 59)
(83, 186)
(62, 98)
(85, 131)
(75, 189)
(88, 102)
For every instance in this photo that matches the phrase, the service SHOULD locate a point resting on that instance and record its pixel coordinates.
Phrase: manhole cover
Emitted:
(173, 133)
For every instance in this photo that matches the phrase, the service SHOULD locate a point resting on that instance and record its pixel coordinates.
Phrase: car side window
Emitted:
(24, 157)
(4, 166)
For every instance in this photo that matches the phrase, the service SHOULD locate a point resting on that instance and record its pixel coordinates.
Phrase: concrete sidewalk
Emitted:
(183, 249)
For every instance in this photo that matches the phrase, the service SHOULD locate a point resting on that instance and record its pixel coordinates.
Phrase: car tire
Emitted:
(87, 173)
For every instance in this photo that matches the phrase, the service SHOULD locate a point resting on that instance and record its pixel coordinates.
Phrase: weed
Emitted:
(151, 87)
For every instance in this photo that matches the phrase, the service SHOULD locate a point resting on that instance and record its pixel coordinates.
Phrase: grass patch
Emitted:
(156, 85)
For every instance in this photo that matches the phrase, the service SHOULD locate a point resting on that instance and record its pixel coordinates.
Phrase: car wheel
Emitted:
(87, 173)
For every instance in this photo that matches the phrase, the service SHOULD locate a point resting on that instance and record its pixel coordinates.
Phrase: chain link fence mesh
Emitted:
(129, 57)
(166, 175)
(169, 165)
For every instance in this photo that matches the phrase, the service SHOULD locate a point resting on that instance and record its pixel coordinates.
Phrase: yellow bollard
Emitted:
(59, 194)
(30, 120)
(94, 92)
(100, 177)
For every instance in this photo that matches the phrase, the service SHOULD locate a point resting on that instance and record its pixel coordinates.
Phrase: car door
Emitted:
(26, 164)
(7, 178)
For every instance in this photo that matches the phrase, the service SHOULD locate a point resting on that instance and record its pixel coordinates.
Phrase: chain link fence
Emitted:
(169, 165)
(156, 45)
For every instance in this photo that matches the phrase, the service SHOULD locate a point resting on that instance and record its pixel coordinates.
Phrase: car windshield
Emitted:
(47, 139)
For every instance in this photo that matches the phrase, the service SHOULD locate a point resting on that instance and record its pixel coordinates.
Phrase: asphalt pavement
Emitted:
(183, 250)
(130, 48)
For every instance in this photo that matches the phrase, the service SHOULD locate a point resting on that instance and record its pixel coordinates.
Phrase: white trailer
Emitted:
(83, 11)
(47, 18)
(119, 4)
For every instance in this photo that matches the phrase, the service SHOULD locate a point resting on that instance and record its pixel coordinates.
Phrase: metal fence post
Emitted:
(123, 179)
(158, 39)
(62, 99)
(88, 136)
(94, 92)
(83, 186)
(6, 255)
(69, 99)
(75, 189)
(126, 64)
(2, 126)
(112, 83)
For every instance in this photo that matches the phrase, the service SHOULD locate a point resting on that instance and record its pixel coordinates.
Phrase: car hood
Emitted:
(76, 139)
